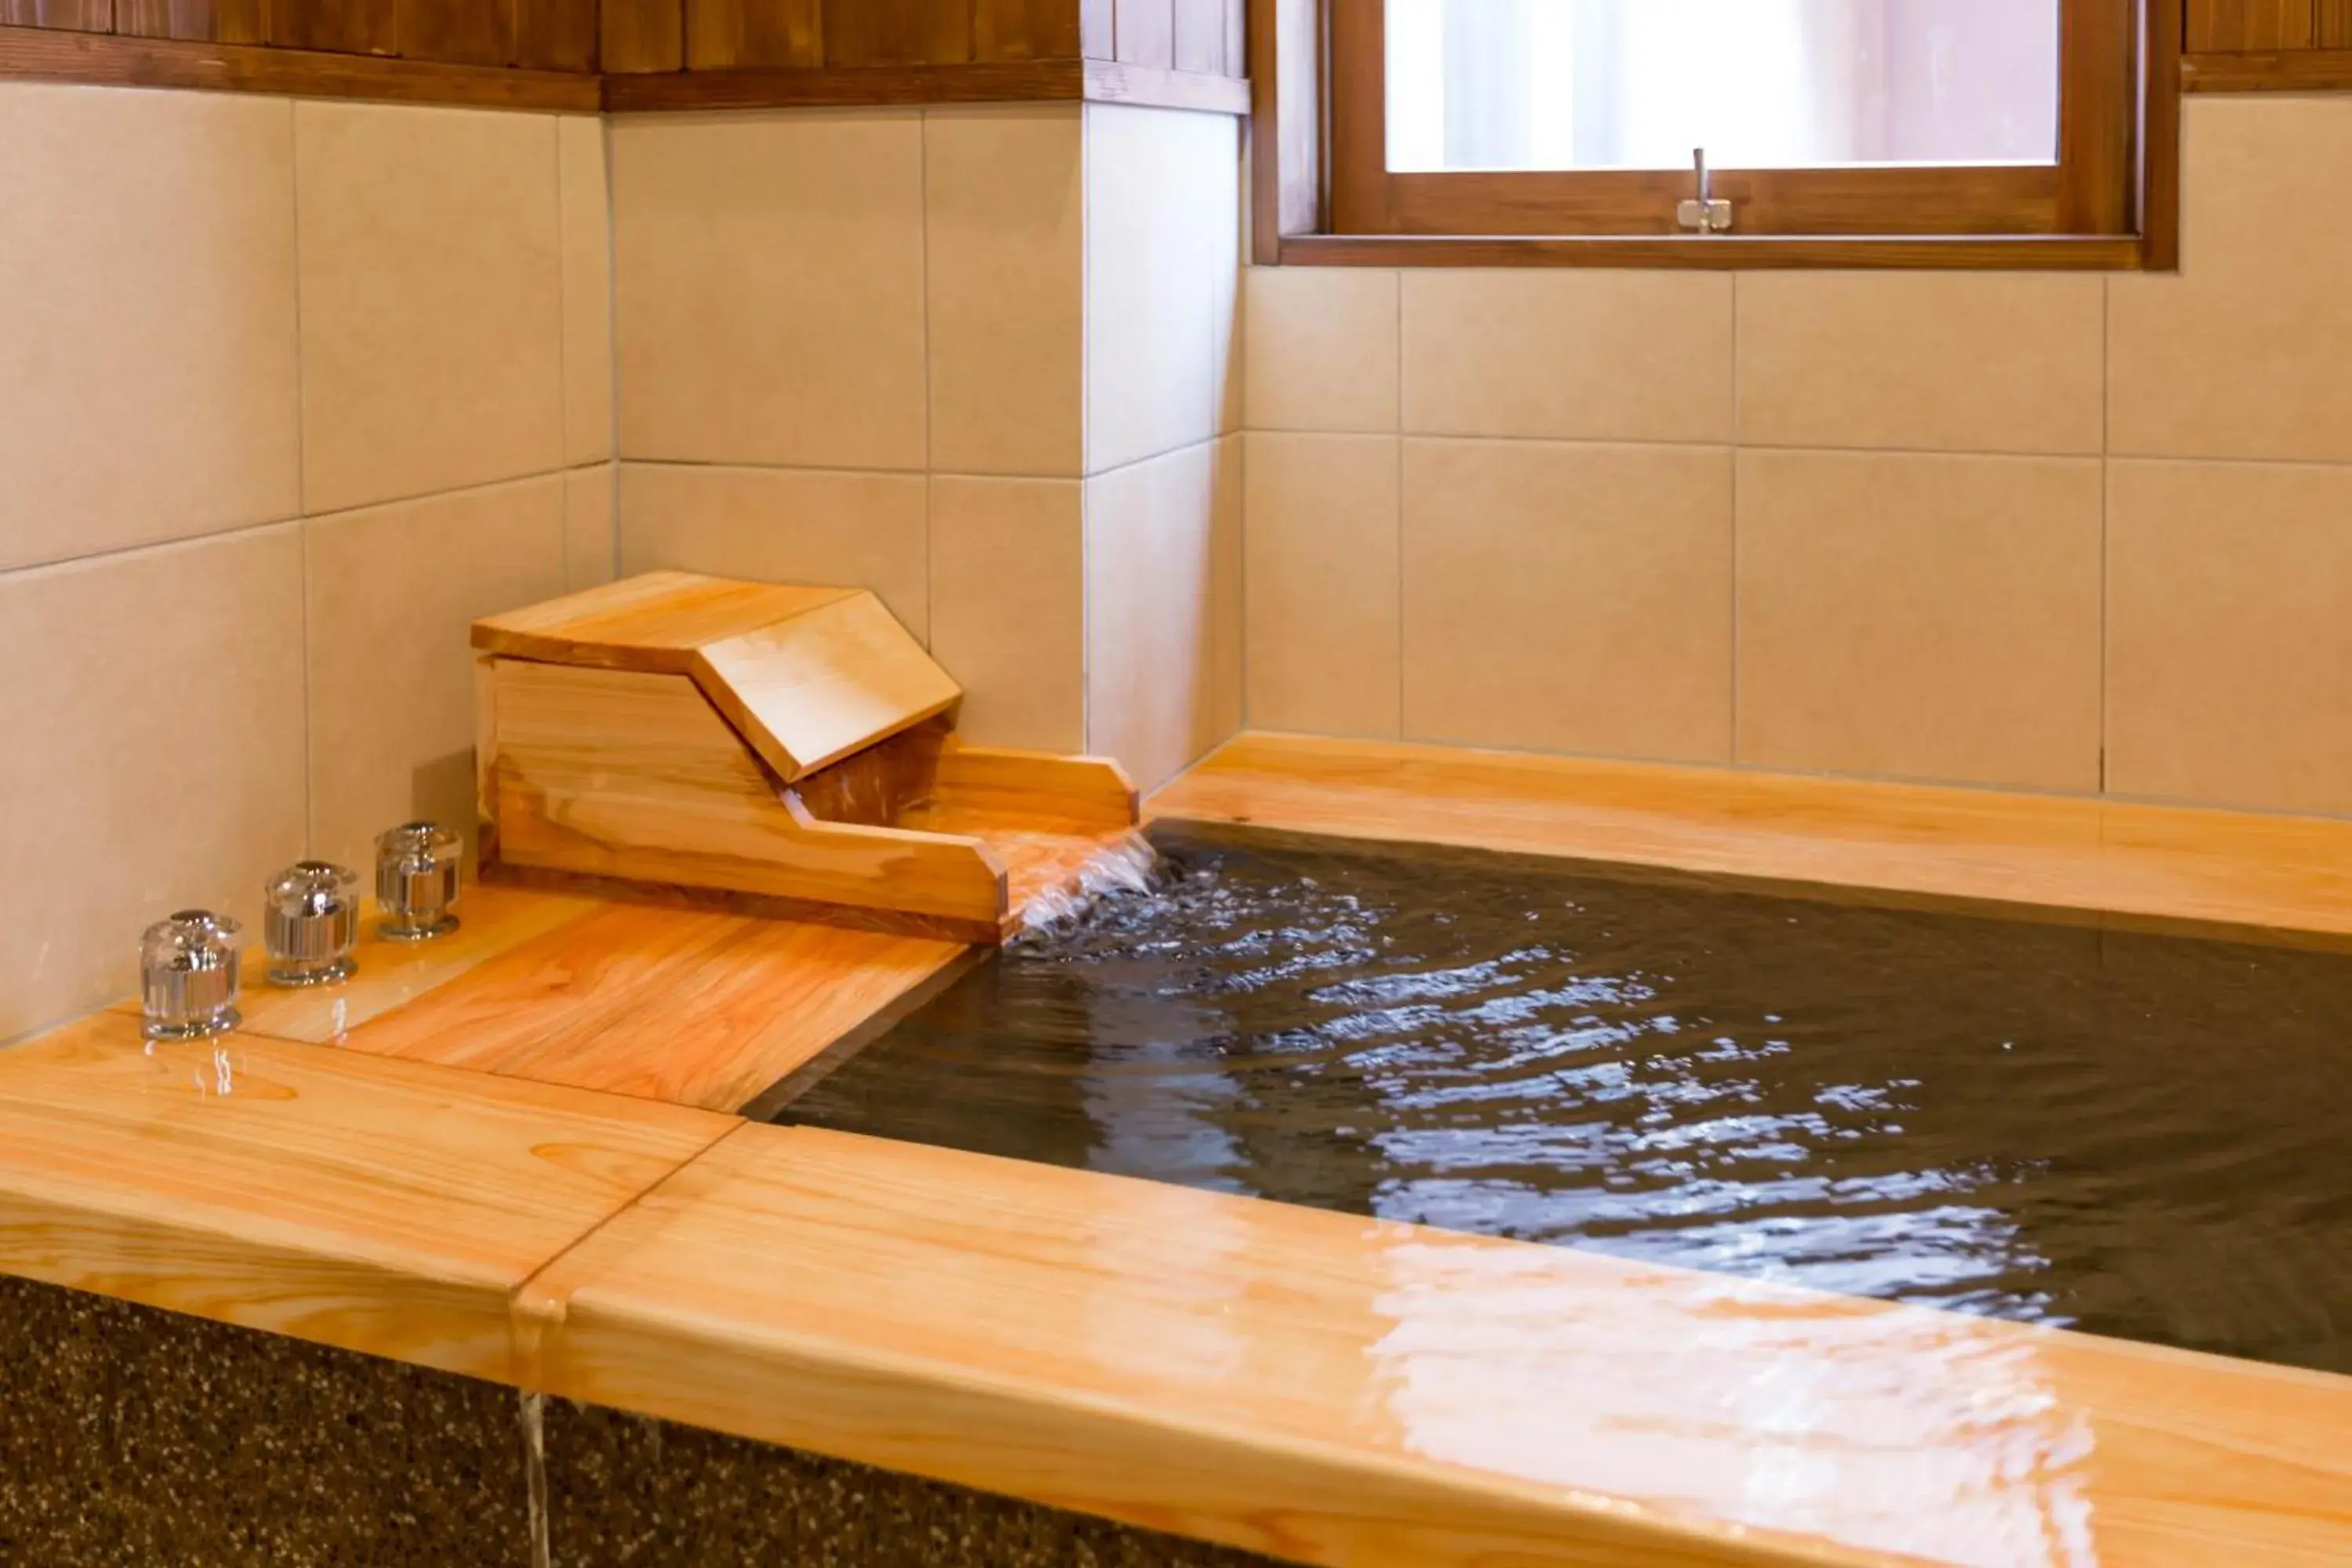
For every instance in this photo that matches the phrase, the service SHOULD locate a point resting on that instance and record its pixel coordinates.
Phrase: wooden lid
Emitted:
(807, 676)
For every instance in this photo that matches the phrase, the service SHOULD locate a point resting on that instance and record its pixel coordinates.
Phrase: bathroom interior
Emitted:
(1050, 783)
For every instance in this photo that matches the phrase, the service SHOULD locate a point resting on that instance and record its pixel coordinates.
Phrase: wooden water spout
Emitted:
(788, 749)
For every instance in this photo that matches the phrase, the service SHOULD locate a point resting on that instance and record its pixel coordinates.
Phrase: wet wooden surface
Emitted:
(1344, 1391)
(1315, 1385)
(2128, 864)
(684, 1005)
(385, 1206)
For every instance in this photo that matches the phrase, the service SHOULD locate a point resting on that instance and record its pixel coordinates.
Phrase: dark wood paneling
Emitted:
(644, 35)
(1144, 33)
(460, 32)
(79, 16)
(1199, 36)
(2031, 253)
(728, 35)
(49, 55)
(1004, 81)
(555, 35)
(339, 26)
(2244, 26)
(1025, 30)
(2295, 70)
(897, 32)
(2331, 24)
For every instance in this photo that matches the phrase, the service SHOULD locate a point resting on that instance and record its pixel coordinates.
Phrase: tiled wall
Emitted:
(972, 358)
(292, 390)
(2048, 533)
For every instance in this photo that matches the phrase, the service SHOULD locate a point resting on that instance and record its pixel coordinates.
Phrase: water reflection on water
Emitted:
(2134, 1135)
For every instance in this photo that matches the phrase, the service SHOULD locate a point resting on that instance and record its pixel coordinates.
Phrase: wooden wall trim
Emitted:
(986, 81)
(1997, 252)
(2283, 70)
(103, 59)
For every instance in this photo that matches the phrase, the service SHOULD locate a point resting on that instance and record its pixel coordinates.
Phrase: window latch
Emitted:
(1710, 213)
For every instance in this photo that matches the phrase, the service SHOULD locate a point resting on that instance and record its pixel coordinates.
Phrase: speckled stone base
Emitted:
(131, 1437)
(136, 1438)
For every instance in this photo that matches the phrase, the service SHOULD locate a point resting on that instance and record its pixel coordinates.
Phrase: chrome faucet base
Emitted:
(390, 932)
(298, 978)
(200, 1029)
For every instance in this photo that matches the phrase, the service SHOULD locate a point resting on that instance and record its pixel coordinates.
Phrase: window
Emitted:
(1818, 117)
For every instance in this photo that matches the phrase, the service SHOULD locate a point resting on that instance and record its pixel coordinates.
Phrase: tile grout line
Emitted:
(930, 423)
(301, 472)
(1398, 470)
(1731, 741)
(2106, 445)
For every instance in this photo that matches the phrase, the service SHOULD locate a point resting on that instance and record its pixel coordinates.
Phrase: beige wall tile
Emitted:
(1571, 598)
(1946, 361)
(393, 591)
(1321, 543)
(432, 289)
(1161, 238)
(1932, 617)
(1153, 568)
(147, 323)
(1569, 354)
(1227, 529)
(1008, 607)
(768, 301)
(2228, 650)
(1005, 202)
(2247, 351)
(782, 525)
(587, 291)
(153, 708)
(1321, 349)
(591, 541)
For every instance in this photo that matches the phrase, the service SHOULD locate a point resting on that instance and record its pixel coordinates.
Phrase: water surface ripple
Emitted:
(2134, 1136)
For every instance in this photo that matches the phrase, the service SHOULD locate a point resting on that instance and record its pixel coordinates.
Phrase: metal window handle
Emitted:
(1710, 213)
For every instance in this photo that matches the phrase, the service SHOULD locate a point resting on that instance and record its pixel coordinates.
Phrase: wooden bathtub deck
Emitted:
(511, 1155)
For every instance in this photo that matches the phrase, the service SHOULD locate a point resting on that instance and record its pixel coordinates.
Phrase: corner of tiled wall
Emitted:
(311, 385)
(1163, 457)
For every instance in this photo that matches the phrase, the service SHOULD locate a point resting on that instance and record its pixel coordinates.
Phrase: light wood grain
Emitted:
(491, 920)
(376, 1205)
(806, 675)
(693, 1008)
(835, 679)
(994, 783)
(2126, 865)
(616, 774)
(1343, 1391)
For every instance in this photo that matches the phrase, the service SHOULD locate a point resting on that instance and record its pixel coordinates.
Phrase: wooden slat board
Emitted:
(377, 1206)
(1342, 1390)
(897, 32)
(2139, 865)
(727, 35)
(1025, 30)
(2249, 27)
(693, 1008)
(639, 36)
(75, 16)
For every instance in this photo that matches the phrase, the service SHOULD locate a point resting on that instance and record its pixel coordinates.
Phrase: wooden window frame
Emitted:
(1324, 194)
